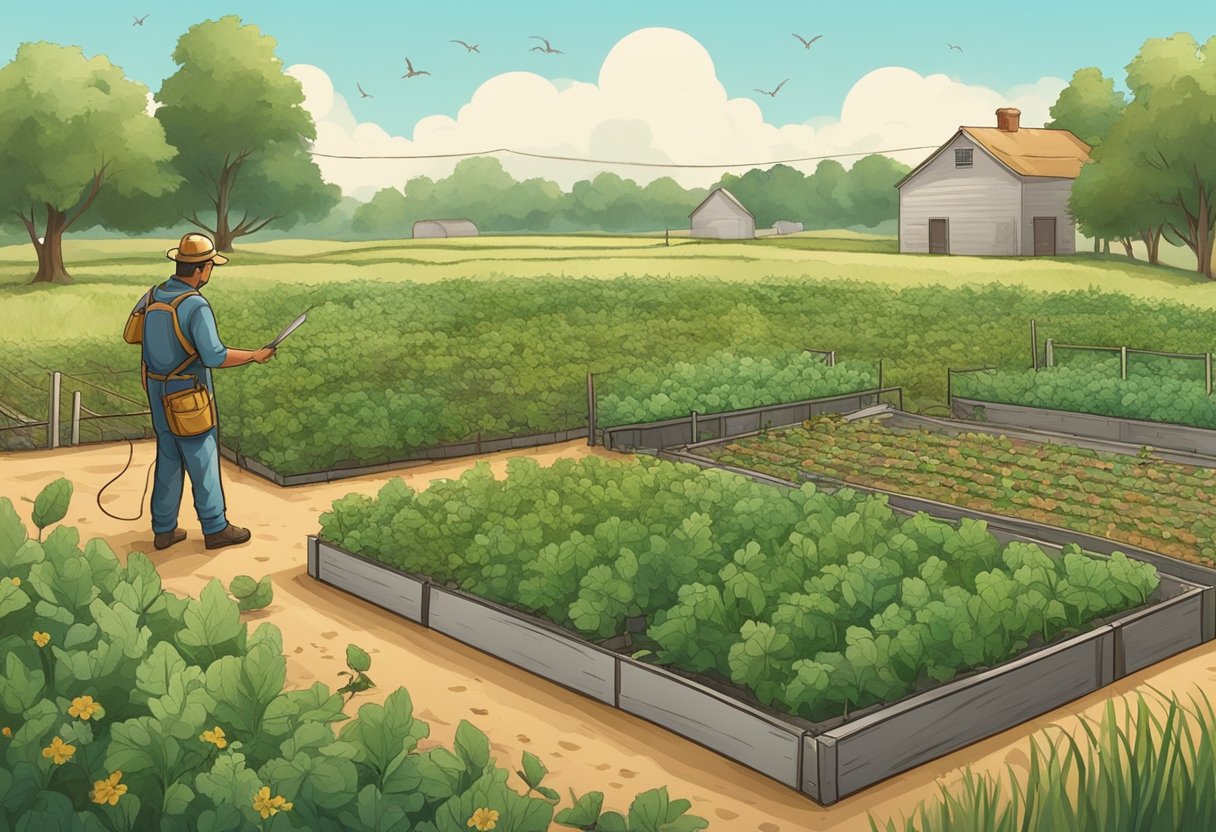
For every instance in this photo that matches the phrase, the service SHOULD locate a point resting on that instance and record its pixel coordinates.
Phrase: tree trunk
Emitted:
(1203, 235)
(1152, 243)
(1097, 246)
(1106, 246)
(1127, 247)
(223, 233)
(50, 250)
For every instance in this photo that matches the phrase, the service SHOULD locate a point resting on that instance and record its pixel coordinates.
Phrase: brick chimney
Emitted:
(1007, 119)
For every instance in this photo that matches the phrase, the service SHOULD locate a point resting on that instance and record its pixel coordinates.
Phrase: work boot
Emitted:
(230, 535)
(164, 540)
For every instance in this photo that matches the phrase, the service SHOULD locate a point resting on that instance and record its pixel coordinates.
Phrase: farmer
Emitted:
(180, 347)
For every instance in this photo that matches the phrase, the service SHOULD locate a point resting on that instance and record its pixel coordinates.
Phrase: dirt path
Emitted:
(585, 744)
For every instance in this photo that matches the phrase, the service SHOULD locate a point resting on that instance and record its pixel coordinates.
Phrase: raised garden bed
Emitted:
(1112, 499)
(825, 761)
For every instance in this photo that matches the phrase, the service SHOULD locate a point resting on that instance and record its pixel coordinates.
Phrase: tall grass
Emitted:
(1136, 770)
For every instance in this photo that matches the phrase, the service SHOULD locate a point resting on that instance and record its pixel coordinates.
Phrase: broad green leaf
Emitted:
(584, 813)
(534, 770)
(52, 503)
(12, 532)
(177, 798)
(357, 659)
(381, 732)
(12, 599)
(211, 621)
(229, 780)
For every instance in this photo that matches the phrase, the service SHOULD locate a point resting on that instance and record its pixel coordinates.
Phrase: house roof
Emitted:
(726, 194)
(1028, 151)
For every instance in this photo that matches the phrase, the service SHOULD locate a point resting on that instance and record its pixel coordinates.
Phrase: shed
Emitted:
(721, 216)
(787, 227)
(1000, 190)
(444, 228)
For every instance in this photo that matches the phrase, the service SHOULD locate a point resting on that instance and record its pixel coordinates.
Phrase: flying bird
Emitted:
(547, 49)
(774, 92)
(362, 93)
(469, 47)
(955, 48)
(410, 72)
(806, 43)
(139, 21)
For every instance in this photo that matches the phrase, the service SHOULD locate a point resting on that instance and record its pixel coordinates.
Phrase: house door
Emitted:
(1044, 236)
(939, 236)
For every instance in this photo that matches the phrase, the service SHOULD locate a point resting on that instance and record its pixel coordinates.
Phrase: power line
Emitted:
(621, 162)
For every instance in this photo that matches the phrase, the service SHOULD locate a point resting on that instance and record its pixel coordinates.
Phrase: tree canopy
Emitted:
(76, 146)
(242, 133)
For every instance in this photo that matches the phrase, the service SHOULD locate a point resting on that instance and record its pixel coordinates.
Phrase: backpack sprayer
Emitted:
(287, 330)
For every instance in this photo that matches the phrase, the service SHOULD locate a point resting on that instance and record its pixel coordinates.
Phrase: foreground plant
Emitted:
(197, 731)
(1136, 770)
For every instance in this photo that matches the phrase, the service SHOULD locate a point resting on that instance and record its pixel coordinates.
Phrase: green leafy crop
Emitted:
(816, 603)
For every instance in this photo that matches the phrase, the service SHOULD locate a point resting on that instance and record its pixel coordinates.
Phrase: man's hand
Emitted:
(263, 355)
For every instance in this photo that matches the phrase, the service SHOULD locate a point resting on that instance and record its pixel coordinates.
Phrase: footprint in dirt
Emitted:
(480, 711)
(627, 774)
(769, 827)
(458, 689)
(569, 746)
(524, 738)
(329, 635)
(603, 767)
(726, 814)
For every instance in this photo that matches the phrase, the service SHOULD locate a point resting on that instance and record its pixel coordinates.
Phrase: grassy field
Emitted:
(109, 273)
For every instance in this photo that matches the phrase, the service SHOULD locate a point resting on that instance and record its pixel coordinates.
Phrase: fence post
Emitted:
(590, 408)
(693, 424)
(1207, 371)
(75, 418)
(832, 358)
(1049, 356)
(1123, 363)
(52, 417)
(880, 374)
(1034, 345)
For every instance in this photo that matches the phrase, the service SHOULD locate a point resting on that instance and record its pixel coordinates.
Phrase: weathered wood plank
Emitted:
(1168, 628)
(532, 645)
(380, 585)
(959, 713)
(712, 719)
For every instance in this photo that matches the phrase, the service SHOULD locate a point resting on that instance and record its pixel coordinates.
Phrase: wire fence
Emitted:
(66, 420)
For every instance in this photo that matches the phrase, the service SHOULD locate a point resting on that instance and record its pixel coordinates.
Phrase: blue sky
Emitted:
(366, 42)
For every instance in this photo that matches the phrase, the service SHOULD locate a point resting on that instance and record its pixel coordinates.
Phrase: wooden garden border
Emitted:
(823, 762)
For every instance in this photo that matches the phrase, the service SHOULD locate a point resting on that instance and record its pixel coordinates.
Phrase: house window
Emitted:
(962, 157)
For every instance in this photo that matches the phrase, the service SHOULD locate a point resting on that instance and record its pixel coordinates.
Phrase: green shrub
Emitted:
(126, 707)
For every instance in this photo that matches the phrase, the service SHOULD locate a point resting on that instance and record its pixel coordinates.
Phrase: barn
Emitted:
(993, 191)
(444, 228)
(720, 216)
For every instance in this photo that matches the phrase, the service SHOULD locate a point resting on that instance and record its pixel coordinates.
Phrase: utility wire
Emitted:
(622, 162)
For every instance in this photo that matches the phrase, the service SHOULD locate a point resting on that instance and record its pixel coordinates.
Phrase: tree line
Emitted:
(480, 190)
(1153, 170)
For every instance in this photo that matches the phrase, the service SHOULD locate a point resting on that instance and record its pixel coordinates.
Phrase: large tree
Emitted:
(872, 196)
(76, 145)
(1168, 131)
(242, 133)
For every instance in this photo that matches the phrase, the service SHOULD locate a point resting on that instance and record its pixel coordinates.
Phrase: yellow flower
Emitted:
(6, 731)
(483, 819)
(59, 751)
(83, 707)
(215, 737)
(265, 805)
(109, 790)
(16, 582)
(42, 639)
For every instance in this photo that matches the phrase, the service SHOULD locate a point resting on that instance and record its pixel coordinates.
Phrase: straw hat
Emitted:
(196, 248)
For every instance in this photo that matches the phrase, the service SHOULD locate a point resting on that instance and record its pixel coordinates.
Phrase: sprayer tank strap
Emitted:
(191, 353)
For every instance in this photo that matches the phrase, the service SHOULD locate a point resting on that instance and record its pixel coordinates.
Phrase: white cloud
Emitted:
(657, 99)
(153, 106)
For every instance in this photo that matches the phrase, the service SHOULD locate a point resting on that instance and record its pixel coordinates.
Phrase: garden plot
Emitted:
(1138, 500)
(778, 625)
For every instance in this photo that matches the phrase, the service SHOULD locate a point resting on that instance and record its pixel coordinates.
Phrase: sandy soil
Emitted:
(585, 744)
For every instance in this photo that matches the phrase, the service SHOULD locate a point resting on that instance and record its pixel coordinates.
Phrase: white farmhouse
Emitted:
(722, 217)
(993, 190)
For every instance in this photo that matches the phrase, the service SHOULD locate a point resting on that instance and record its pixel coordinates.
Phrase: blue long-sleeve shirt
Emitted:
(162, 351)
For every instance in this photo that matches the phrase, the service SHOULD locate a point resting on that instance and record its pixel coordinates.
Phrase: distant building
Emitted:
(993, 190)
(721, 216)
(787, 227)
(444, 228)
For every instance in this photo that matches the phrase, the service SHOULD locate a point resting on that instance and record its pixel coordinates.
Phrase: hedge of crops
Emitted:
(1156, 392)
(381, 369)
(724, 381)
(816, 603)
(124, 707)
